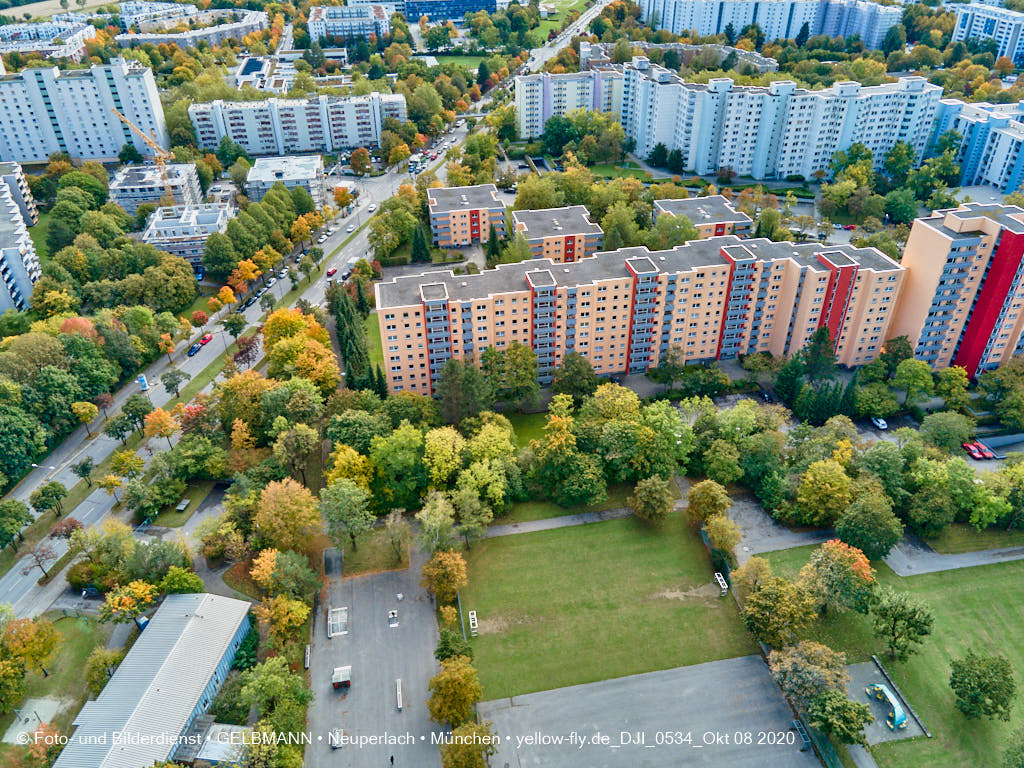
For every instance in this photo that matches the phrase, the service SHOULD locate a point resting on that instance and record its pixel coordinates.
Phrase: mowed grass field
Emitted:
(592, 602)
(976, 609)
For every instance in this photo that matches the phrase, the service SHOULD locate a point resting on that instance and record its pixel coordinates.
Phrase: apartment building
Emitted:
(977, 21)
(964, 288)
(992, 141)
(47, 110)
(559, 234)
(542, 96)
(598, 55)
(465, 215)
(219, 26)
(284, 126)
(182, 230)
(137, 13)
(866, 19)
(19, 265)
(52, 39)
(306, 172)
(714, 298)
(348, 22)
(712, 215)
(134, 185)
(446, 10)
(12, 175)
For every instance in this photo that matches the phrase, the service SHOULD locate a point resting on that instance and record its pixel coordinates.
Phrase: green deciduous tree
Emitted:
(454, 691)
(707, 499)
(652, 499)
(808, 669)
(835, 714)
(778, 613)
(902, 621)
(345, 507)
(983, 685)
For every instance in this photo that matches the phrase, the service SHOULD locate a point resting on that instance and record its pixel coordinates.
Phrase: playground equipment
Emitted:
(897, 719)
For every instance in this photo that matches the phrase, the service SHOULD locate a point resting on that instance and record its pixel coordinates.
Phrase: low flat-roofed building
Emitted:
(134, 185)
(306, 171)
(183, 230)
(465, 215)
(712, 215)
(170, 677)
(560, 234)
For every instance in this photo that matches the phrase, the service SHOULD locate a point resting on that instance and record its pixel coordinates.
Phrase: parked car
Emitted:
(372, 208)
(985, 452)
(271, 281)
(194, 349)
(259, 293)
(321, 239)
(850, 227)
(207, 338)
(332, 271)
(837, 226)
(879, 423)
(972, 450)
(350, 228)
(765, 395)
(250, 301)
(284, 273)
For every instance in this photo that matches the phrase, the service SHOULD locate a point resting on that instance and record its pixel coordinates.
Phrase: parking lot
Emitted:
(723, 713)
(380, 655)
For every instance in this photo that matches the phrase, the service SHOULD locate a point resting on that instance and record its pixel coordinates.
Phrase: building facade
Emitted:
(598, 55)
(133, 185)
(992, 140)
(283, 126)
(714, 298)
(214, 34)
(53, 39)
(306, 171)
(560, 234)
(862, 18)
(347, 22)
(446, 10)
(19, 264)
(964, 288)
(465, 215)
(12, 175)
(542, 96)
(44, 110)
(712, 216)
(183, 230)
(977, 21)
(136, 13)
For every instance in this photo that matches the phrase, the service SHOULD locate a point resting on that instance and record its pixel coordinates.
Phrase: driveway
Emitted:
(912, 557)
(761, 533)
(694, 716)
(379, 656)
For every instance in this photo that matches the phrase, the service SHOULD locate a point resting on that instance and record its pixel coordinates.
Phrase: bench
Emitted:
(398, 690)
(472, 624)
(802, 733)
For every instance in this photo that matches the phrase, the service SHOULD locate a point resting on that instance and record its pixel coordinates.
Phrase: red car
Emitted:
(207, 338)
(850, 227)
(973, 450)
(332, 271)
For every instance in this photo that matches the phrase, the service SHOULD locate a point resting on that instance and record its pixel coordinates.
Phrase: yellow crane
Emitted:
(160, 155)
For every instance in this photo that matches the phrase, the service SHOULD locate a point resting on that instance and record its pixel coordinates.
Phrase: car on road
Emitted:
(523, 167)
(850, 227)
(837, 226)
(284, 273)
(271, 281)
(350, 228)
(372, 208)
(194, 349)
(879, 423)
(259, 293)
(332, 271)
(972, 450)
(250, 301)
(322, 238)
(207, 338)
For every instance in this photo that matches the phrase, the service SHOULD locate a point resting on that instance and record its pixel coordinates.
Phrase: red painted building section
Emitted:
(570, 248)
(837, 295)
(1001, 270)
(474, 225)
(725, 303)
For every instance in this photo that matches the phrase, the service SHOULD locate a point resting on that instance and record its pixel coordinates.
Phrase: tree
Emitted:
(421, 246)
(444, 575)
(462, 391)
(83, 470)
(283, 616)
(902, 621)
(454, 691)
(914, 377)
(722, 462)
(471, 745)
(808, 669)
(778, 613)
(127, 463)
(180, 581)
(839, 576)
(111, 484)
(951, 386)
(707, 499)
(870, 525)
(48, 498)
(834, 714)
(100, 667)
(1013, 755)
(14, 516)
(33, 641)
(128, 602)
(287, 516)
(65, 528)
(452, 644)
(749, 577)
(947, 430)
(85, 413)
(802, 35)
(173, 379)
(160, 423)
(658, 156)
(360, 161)
(576, 377)
(723, 534)
(823, 493)
(345, 507)
(294, 447)
(983, 685)
(12, 683)
(652, 499)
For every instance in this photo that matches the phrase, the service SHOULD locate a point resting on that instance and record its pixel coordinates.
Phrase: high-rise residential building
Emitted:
(306, 172)
(465, 215)
(52, 39)
(446, 10)
(283, 126)
(12, 175)
(862, 18)
(964, 290)
(712, 215)
(183, 230)
(714, 298)
(137, 13)
(992, 140)
(976, 21)
(348, 22)
(47, 110)
(216, 27)
(598, 55)
(559, 234)
(134, 185)
(19, 265)
(762, 132)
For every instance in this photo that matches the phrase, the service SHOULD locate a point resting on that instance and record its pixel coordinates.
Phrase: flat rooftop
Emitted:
(271, 169)
(1010, 217)
(443, 199)
(714, 209)
(149, 175)
(555, 222)
(611, 265)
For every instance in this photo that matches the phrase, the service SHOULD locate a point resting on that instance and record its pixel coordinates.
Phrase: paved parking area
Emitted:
(724, 708)
(863, 675)
(379, 654)
(760, 531)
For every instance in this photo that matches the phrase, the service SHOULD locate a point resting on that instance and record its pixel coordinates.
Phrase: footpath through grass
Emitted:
(960, 537)
(592, 602)
(976, 609)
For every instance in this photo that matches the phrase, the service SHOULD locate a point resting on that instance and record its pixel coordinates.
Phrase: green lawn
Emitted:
(960, 537)
(542, 510)
(200, 303)
(38, 235)
(195, 494)
(374, 552)
(975, 608)
(591, 602)
(373, 343)
(469, 62)
(528, 426)
(614, 171)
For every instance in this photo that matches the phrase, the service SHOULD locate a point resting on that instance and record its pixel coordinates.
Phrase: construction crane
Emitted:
(160, 155)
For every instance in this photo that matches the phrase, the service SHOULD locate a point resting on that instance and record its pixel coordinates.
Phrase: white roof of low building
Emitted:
(271, 169)
(146, 705)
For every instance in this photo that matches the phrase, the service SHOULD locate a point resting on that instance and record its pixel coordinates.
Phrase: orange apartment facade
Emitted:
(714, 298)
(560, 234)
(712, 215)
(964, 291)
(465, 215)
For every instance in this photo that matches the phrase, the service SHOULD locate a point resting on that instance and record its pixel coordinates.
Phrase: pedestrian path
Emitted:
(563, 521)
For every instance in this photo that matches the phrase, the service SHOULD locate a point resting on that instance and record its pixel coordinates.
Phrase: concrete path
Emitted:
(761, 533)
(912, 557)
(563, 521)
(860, 756)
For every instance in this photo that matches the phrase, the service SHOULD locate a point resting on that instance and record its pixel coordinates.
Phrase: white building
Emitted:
(135, 13)
(182, 230)
(761, 132)
(777, 18)
(283, 126)
(12, 175)
(541, 96)
(246, 23)
(988, 22)
(19, 265)
(846, 18)
(359, 21)
(306, 171)
(992, 147)
(43, 111)
(134, 185)
(53, 39)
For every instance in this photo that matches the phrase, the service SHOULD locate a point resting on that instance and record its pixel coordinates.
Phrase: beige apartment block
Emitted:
(712, 215)
(560, 234)
(465, 215)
